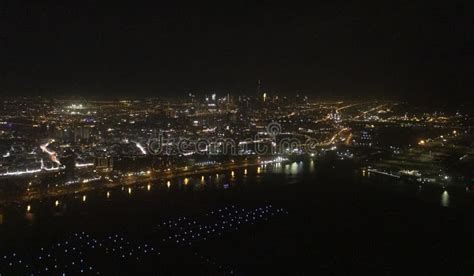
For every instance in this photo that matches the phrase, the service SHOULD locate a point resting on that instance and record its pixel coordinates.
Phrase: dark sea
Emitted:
(297, 218)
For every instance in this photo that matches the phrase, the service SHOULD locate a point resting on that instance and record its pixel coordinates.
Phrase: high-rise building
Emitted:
(69, 162)
(104, 162)
(170, 113)
(82, 134)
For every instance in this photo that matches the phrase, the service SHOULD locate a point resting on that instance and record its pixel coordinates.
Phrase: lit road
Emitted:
(351, 105)
(51, 154)
(368, 111)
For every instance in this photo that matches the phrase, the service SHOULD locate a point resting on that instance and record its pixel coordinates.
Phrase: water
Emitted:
(31, 214)
(331, 218)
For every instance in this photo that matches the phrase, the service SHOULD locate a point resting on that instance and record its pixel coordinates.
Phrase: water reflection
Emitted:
(226, 179)
(445, 199)
(311, 166)
(30, 217)
(294, 168)
(277, 168)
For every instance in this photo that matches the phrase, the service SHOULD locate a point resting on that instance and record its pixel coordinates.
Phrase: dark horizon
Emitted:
(407, 50)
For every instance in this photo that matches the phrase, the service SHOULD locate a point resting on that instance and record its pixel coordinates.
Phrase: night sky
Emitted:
(404, 49)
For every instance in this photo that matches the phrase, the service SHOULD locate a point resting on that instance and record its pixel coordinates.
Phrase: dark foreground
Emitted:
(300, 221)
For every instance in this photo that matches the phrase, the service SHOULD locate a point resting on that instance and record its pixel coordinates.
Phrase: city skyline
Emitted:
(236, 138)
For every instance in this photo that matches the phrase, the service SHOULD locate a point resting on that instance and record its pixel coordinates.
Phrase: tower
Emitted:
(69, 161)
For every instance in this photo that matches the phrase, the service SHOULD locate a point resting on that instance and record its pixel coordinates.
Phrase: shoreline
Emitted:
(94, 186)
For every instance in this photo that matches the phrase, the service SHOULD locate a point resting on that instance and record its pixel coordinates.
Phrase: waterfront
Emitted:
(253, 138)
(332, 218)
